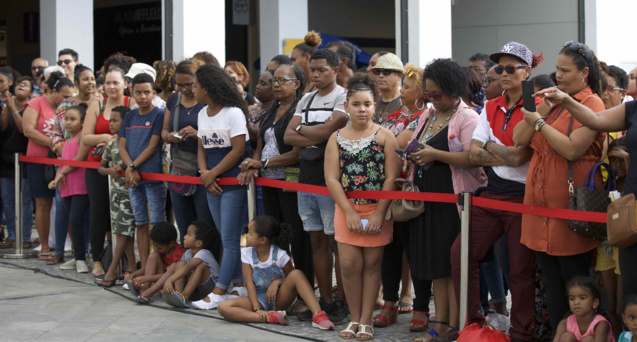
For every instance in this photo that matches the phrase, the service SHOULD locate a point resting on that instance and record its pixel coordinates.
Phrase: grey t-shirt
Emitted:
(207, 258)
(383, 109)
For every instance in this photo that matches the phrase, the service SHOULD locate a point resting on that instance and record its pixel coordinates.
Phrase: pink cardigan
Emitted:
(462, 125)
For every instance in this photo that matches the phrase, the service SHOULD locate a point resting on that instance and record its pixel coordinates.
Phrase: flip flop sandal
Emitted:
(433, 333)
(44, 256)
(402, 305)
(132, 289)
(141, 299)
(176, 299)
(55, 259)
(349, 330)
(106, 283)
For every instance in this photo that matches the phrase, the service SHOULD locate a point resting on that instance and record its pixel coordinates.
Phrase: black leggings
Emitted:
(627, 260)
(422, 287)
(97, 188)
(392, 265)
(558, 271)
(76, 208)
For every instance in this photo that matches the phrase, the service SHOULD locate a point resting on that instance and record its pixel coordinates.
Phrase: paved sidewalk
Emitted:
(55, 305)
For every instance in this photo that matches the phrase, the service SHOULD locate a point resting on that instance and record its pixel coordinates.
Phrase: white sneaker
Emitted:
(215, 300)
(81, 266)
(237, 292)
(69, 265)
(499, 321)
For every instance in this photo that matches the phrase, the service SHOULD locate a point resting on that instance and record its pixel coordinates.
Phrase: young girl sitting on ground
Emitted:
(271, 280)
(629, 315)
(196, 274)
(587, 322)
(72, 185)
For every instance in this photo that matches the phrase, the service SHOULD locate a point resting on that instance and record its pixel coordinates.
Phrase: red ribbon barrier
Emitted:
(565, 214)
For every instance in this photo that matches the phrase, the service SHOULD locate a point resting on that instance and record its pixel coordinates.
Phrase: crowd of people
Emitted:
(315, 120)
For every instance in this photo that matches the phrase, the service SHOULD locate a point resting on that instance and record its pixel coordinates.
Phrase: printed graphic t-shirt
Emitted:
(215, 133)
(137, 130)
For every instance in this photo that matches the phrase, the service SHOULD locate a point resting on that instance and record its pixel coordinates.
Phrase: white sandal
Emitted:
(362, 330)
(349, 330)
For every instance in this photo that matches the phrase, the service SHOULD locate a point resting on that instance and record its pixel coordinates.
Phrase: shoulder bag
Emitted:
(183, 163)
(621, 222)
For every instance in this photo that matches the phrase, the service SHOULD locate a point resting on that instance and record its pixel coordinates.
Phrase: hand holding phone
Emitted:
(527, 95)
(98, 150)
(178, 136)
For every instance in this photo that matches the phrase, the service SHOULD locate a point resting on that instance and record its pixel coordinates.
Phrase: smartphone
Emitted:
(178, 136)
(528, 89)
(98, 151)
(364, 222)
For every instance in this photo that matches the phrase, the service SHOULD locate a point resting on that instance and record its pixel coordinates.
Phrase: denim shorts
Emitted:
(261, 296)
(203, 289)
(317, 212)
(148, 197)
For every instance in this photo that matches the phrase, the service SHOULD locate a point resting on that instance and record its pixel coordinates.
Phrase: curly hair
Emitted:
(163, 233)
(203, 58)
(205, 233)
(220, 87)
(361, 81)
(585, 57)
(165, 75)
(240, 70)
(448, 76)
(415, 73)
(312, 41)
(119, 60)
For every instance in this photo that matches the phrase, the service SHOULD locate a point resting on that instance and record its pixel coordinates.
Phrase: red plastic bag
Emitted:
(474, 333)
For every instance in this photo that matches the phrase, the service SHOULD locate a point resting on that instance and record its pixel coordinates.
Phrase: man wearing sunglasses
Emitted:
(388, 72)
(67, 59)
(37, 65)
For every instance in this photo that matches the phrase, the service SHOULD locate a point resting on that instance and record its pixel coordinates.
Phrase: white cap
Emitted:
(139, 68)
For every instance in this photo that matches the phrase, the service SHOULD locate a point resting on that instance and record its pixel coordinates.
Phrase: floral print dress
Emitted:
(362, 165)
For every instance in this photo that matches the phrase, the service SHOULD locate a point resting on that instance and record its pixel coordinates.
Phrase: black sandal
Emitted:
(106, 283)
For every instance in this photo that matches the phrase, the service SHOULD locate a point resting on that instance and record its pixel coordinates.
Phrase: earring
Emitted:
(416, 104)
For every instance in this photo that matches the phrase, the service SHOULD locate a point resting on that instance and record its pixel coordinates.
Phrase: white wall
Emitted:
(279, 20)
(615, 32)
(486, 25)
(66, 24)
(199, 25)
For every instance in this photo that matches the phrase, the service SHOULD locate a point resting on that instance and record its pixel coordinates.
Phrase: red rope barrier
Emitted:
(565, 214)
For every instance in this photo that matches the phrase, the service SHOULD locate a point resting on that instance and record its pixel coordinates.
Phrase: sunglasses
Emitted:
(281, 80)
(385, 72)
(509, 69)
(66, 61)
(39, 67)
(579, 48)
(433, 96)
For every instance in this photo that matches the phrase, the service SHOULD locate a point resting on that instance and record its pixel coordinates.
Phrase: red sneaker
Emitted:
(320, 320)
(277, 317)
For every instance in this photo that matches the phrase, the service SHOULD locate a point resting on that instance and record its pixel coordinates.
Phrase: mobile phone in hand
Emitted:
(98, 151)
(178, 136)
(527, 95)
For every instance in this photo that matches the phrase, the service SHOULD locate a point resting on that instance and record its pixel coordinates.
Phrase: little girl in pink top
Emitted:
(72, 185)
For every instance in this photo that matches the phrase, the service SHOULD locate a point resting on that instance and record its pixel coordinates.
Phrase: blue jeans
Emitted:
(61, 223)
(317, 212)
(7, 192)
(147, 197)
(190, 208)
(230, 213)
(77, 207)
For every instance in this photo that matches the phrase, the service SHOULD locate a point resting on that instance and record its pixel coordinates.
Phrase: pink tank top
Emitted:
(573, 328)
(75, 183)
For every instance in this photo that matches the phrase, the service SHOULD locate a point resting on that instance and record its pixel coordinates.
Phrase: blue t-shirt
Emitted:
(187, 117)
(215, 133)
(137, 130)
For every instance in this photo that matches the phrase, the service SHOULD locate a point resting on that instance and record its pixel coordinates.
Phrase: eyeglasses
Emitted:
(385, 72)
(38, 67)
(579, 48)
(477, 68)
(281, 80)
(509, 69)
(24, 84)
(487, 81)
(433, 96)
(184, 85)
(66, 61)
(615, 89)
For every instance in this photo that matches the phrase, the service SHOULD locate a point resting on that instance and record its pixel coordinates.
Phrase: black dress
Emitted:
(434, 231)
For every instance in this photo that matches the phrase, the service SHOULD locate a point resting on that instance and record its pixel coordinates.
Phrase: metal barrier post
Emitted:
(19, 253)
(465, 290)
(252, 200)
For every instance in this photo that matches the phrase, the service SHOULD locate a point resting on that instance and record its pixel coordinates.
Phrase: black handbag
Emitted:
(589, 198)
(49, 170)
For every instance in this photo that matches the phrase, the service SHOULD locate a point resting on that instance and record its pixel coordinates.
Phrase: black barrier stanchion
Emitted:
(19, 253)
(464, 200)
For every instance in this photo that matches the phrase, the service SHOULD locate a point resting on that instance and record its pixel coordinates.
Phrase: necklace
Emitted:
(430, 130)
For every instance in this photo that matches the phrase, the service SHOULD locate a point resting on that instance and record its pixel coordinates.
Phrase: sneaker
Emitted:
(69, 265)
(277, 317)
(215, 300)
(237, 292)
(499, 321)
(340, 312)
(81, 266)
(306, 316)
(321, 321)
(55, 259)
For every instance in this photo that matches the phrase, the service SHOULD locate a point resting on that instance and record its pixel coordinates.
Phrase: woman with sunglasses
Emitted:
(439, 169)
(557, 140)
(96, 134)
(388, 72)
(271, 158)
(184, 137)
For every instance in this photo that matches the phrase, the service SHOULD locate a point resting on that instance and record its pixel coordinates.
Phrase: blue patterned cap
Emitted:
(515, 49)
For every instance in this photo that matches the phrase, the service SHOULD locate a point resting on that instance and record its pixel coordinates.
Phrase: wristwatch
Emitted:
(298, 129)
(264, 162)
(132, 166)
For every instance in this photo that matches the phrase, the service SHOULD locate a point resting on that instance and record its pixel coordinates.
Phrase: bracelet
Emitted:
(539, 129)
(484, 146)
(266, 163)
(538, 123)
(255, 310)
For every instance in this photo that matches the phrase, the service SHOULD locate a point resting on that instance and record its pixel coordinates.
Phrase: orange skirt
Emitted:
(343, 235)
